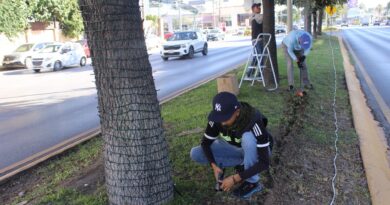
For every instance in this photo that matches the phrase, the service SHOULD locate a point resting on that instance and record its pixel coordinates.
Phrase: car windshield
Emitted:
(180, 36)
(24, 48)
(51, 49)
(213, 31)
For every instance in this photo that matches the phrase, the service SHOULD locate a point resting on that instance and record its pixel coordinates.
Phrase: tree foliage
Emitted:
(13, 17)
(15, 14)
(67, 12)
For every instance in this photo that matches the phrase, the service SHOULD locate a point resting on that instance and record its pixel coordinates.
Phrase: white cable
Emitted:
(336, 126)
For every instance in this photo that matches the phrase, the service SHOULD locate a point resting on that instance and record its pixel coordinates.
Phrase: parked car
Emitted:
(344, 24)
(20, 57)
(376, 23)
(280, 29)
(167, 35)
(388, 23)
(58, 55)
(185, 43)
(152, 41)
(215, 35)
(84, 44)
(239, 31)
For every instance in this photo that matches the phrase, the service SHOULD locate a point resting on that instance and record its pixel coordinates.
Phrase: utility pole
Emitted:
(213, 14)
(219, 12)
(180, 21)
(289, 16)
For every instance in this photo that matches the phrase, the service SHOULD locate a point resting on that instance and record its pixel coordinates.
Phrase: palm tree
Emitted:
(269, 27)
(137, 169)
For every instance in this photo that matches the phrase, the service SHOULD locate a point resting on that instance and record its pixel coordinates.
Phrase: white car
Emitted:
(185, 43)
(58, 55)
(152, 41)
(22, 54)
(215, 35)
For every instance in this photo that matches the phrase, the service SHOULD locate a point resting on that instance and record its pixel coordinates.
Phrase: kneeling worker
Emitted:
(235, 136)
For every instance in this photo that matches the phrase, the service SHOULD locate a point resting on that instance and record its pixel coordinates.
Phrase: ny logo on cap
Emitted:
(218, 107)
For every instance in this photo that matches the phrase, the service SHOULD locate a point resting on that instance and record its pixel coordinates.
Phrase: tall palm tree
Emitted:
(137, 167)
(269, 27)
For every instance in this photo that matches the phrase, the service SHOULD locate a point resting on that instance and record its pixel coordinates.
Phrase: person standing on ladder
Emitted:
(296, 46)
(256, 21)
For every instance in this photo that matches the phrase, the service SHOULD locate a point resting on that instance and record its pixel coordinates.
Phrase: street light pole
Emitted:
(180, 19)
(289, 15)
(219, 12)
(213, 15)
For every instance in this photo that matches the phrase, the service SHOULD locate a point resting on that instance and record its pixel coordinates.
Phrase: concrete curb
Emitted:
(373, 144)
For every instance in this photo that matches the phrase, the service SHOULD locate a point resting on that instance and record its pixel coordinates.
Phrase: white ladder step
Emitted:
(253, 78)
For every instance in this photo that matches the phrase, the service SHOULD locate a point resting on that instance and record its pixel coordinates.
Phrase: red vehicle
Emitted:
(167, 35)
(84, 43)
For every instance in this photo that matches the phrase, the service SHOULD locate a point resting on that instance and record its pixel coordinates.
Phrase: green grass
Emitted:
(60, 168)
(185, 118)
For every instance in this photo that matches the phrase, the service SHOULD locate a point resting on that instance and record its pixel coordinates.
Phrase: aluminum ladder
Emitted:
(259, 67)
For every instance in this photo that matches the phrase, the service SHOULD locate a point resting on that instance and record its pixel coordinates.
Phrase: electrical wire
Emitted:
(336, 125)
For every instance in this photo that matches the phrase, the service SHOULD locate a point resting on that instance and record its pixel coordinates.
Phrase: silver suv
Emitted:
(185, 43)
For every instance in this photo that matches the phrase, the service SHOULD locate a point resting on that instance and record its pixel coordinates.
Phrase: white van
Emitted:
(58, 55)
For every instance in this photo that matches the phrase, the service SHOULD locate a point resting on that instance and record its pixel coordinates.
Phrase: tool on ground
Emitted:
(219, 180)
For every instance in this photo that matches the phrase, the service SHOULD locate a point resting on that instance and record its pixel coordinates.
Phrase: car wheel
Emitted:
(83, 61)
(37, 70)
(205, 49)
(164, 58)
(190, 53)
(57, 66)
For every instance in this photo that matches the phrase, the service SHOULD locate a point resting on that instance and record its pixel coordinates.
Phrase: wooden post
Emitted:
(228, 83)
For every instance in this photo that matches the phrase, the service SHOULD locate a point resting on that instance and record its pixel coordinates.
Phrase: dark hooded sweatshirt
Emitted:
(249, 120)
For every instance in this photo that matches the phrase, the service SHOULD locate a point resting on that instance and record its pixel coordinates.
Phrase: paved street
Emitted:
(40, 110)
(371, 49)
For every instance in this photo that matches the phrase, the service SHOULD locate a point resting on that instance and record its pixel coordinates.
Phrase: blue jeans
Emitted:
(259, 50)
(227, 155)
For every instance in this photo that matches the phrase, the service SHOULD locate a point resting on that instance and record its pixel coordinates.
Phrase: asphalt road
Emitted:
(370, 48)
(38, 111)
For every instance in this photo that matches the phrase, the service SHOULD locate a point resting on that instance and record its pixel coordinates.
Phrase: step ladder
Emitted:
(258, 68)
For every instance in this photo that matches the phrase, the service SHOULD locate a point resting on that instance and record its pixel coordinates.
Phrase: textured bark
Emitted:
(320, 17)
(314, 23)
(269, 27)
(136, 153)
(307, 13)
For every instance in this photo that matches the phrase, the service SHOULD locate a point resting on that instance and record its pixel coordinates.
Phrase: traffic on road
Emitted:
(43, 109)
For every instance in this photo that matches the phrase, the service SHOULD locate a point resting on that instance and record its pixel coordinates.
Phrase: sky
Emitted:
(373, 3)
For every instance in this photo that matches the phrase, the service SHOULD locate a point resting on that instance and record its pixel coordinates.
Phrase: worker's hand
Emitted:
(228, 183)
(216, 170)
(301, 58)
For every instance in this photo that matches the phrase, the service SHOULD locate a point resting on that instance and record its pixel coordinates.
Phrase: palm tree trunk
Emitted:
(137, 167)
(269, 27)
(320, 17)
(307, 13)
(314, 23)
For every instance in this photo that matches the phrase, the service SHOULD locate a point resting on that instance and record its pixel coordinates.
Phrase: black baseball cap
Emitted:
(256, 5)
(224, 106)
